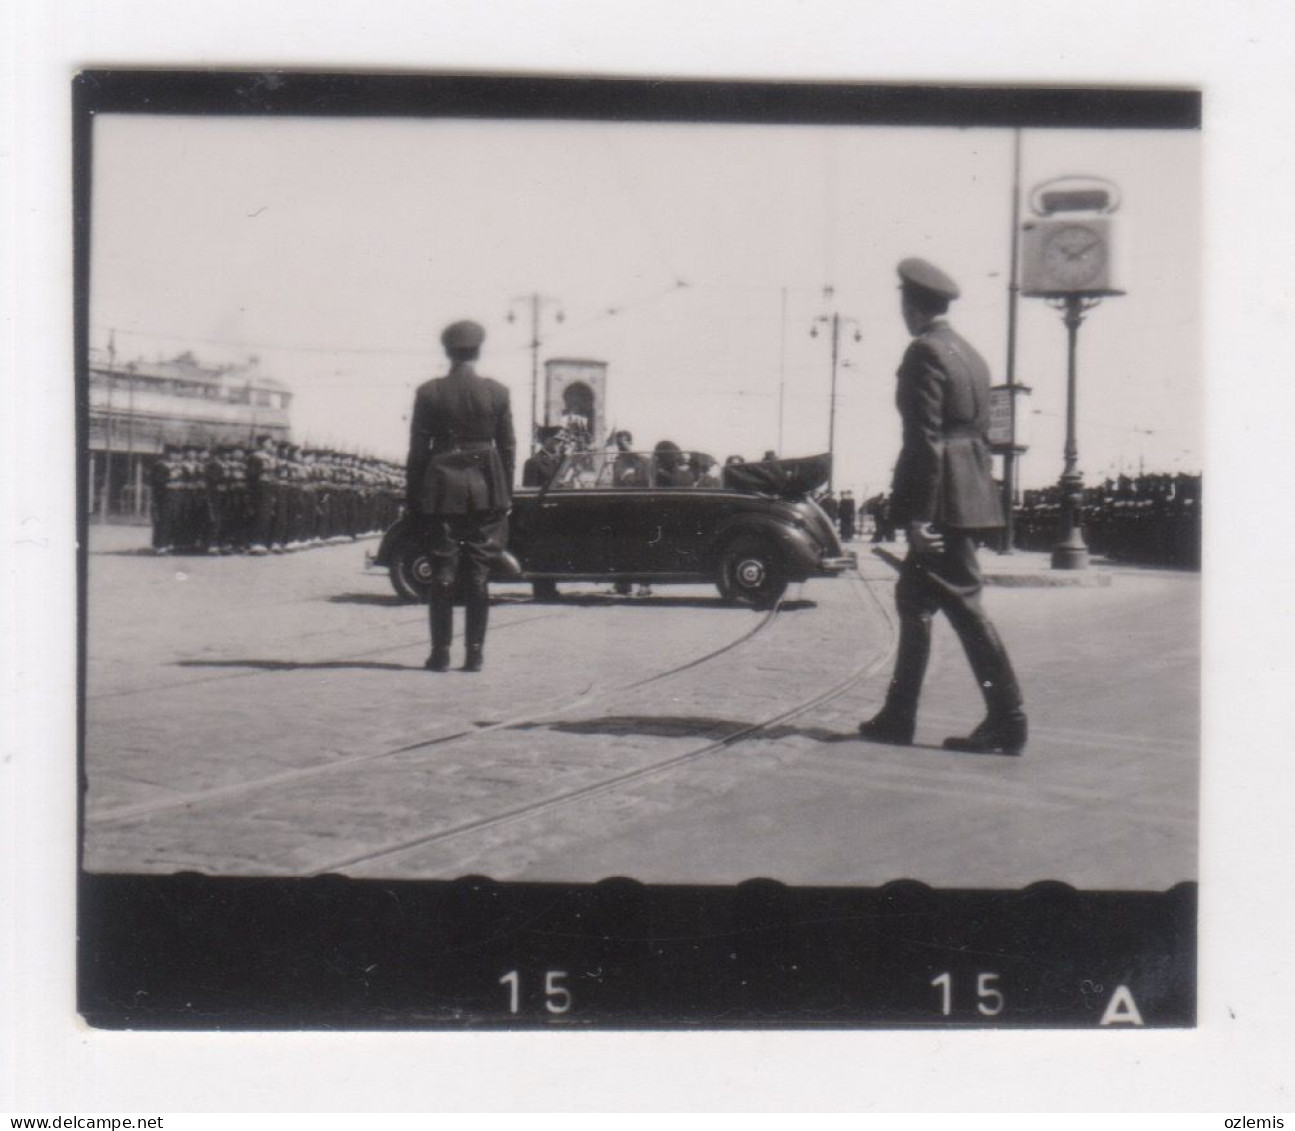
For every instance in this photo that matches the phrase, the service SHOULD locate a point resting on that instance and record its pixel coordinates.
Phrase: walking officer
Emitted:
(942, 494)
(459, 480)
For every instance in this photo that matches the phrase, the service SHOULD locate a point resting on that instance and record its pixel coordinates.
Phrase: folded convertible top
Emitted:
(785, 478)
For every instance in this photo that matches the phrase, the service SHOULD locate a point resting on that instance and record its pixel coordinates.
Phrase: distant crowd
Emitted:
(270, 498)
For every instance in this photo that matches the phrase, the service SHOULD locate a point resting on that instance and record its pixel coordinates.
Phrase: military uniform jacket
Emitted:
(944, 474)
(539, 469)
(461, 445)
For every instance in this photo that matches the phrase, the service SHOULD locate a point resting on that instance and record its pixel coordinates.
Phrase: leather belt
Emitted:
(463, 446)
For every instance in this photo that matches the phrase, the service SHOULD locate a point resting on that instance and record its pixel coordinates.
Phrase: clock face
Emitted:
(1074, 256)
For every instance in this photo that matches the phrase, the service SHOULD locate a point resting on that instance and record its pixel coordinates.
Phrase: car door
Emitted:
(633, 515)
(670, 525)
(567, 527)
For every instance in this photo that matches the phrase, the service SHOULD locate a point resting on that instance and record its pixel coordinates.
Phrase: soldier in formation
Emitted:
(273, 498)
(1150, 519)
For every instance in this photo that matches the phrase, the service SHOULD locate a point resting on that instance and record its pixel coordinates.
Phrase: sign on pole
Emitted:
(1008, 428)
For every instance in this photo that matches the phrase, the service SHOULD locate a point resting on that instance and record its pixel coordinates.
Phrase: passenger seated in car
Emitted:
(539, 469)
(630, 468)
(707, 471)
(671, 471)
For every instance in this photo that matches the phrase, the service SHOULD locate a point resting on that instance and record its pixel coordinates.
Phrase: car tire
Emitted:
(411, 573)
(751, 574)
(544, 590)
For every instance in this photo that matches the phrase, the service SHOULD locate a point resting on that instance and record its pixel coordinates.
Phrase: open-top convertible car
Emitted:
(656, 518)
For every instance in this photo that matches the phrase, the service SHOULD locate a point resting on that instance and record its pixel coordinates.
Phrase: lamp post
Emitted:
(836, 320)
(132, 464)
(106, 503)
(536, 302)
(782, 364)
(1013, 297)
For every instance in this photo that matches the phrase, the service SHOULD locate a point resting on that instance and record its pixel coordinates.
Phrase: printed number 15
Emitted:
(991, 1001)
(557, 998)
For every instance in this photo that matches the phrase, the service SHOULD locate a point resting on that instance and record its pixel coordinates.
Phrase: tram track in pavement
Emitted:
(663, 766)
(140, 811)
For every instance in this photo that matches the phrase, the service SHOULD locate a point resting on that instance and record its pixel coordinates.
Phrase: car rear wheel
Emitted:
(411, 573)
(750, 574)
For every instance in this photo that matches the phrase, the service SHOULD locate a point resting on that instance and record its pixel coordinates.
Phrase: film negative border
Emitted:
(195, 952)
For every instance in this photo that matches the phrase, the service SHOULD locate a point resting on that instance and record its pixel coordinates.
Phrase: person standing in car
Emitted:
(459, 479)
(943, 494)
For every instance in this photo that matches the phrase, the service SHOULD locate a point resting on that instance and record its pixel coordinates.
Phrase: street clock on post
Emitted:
(1066, 256)
(1068, 250)
(1066, 259)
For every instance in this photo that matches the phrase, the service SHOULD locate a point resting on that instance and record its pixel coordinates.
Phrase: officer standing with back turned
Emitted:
(459, 479)
(943, 493)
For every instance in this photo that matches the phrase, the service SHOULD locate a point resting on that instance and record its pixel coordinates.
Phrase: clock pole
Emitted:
(1067, 263)
(1072, 551)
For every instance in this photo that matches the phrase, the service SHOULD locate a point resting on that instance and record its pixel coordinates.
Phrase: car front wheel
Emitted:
(411, 573)
(750, 574)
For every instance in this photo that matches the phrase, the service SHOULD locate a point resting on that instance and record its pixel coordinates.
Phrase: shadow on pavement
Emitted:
(571, 601)
(939, 749)
(684, 726)
(657, 602)
(295, 665)
(392, 601)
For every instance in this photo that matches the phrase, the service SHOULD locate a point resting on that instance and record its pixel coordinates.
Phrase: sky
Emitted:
(693, 258)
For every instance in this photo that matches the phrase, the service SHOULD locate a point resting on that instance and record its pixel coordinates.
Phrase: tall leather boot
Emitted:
(1005, 727)
(477, 612)
(897, 720)
(441, 618)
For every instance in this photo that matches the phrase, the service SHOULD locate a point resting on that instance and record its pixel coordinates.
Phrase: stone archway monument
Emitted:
(575, 395)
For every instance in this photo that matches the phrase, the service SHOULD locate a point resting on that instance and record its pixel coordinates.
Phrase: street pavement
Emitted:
(271, 716)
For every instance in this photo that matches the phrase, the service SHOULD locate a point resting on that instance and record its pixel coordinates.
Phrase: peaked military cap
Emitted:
(924, 276)
(463, 336)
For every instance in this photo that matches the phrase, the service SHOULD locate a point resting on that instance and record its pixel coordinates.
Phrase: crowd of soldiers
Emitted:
(1152, 519)
(268, 498)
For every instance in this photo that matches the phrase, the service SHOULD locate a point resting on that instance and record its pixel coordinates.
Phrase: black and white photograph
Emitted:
(598, 484)
(646, 557)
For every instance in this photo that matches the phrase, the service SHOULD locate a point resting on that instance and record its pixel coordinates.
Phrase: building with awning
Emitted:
(138, 406)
